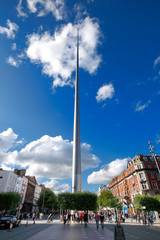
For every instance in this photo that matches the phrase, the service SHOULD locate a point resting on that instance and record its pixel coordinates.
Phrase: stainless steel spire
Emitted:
(76, 164)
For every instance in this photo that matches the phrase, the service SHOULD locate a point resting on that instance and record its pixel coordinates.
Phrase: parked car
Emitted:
(5, 222)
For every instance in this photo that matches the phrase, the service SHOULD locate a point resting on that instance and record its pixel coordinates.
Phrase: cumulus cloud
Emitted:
(10, 31)
(7, 139)
(104, 92)
(42, 8)
(56, 187)
(14, 46)
(157, 138)
(13, 62)
(49, 157)
(141, 107)
(108, 172)
(156, 61)
(57, 53)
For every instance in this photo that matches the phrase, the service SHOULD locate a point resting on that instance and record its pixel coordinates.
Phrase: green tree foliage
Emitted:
(50, 200)
(78, 201)
(106, 199)
(9, 200)
(151, 203)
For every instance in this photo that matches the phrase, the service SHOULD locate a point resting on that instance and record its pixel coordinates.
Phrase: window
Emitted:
(132, 180)
(155, 166)
(158, 159)
(144, 186)
(158, 175)
(149, 166)
(139, 166)
(141, 175)
(151, 174)
(154, 184)
(137, 187)
(152, 159)
(135, 178)
(145, 159)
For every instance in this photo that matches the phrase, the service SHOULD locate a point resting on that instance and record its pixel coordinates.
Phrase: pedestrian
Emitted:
(97, 220)
(41, 216)
(136, 217)
(33, 216)
(118, 231)
(123, 218)
(115, 217)
(69, 218)
(85, 218)
(64, 218)
(101, 216)
(81, 217)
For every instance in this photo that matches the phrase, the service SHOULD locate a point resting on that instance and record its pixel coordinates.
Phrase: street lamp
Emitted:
(43, 201)
(153, 154)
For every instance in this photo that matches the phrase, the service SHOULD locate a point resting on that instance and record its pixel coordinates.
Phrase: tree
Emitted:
(49, 198)
(150, 203)
(78, 201)
(9, 200)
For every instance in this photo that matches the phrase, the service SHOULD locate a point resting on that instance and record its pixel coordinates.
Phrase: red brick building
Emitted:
(140, 177)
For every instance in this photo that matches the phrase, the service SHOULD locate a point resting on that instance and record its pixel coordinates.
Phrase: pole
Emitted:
(153, 154)
(43, 201)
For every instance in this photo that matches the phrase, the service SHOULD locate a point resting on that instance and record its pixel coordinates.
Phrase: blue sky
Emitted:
(119, 86)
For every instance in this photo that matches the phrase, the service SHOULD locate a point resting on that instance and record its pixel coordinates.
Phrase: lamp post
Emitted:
(153, 154)
(43, 201)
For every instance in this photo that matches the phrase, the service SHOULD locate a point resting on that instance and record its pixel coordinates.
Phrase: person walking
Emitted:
(97, 220)
(85, 218)
(81, 217)
(118, 231)
(101, 216)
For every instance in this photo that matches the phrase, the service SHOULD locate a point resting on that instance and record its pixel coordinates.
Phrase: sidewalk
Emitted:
(133, 222)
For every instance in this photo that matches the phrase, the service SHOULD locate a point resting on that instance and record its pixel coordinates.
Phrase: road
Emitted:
(56, 231)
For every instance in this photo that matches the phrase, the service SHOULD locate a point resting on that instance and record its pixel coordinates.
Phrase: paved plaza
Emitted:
(43, 230)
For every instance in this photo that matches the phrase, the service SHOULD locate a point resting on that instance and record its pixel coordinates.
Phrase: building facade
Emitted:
(28, 203)
(140, 177)
(37, 192)
(8, 181)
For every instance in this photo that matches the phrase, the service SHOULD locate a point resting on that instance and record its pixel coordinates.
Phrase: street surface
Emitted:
(57, 230)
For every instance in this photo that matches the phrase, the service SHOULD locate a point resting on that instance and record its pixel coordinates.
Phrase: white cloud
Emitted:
(104, 92)
(156, 61)
(56, 187)
(57, 53)
(157, 138)
(13, 62)
(7, 139)
(14, 46)
(108, 172)
(140, 107)
(43, 7)
(10, 31)
(49, 157)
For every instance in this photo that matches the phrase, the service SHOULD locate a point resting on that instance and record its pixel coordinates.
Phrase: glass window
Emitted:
(144, 186)
(145, 159)
(154, 184)
(139, 166)
(149, 166)
(158, 175)
(152, 159)
(151, 174)
(137, 187)
(135, 178)
(141, 175)
(155, 166)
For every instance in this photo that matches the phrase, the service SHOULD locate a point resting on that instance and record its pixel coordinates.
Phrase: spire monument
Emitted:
(76, 163)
